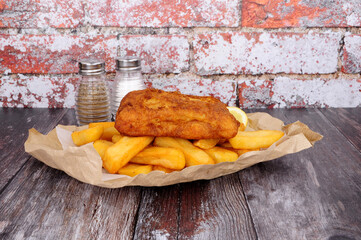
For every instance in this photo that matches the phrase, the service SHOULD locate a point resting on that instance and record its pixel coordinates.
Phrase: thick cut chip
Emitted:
(103, 124)
(167, 157)
(108, 133)
(101, 146)
(193, 155)
(87, 135)
(222, 155)
(132, 169)
(119, 154)
(205, 143)
(255, 139)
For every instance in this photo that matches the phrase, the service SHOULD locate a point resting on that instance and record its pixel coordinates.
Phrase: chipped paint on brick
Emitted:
(53, 53)
(352, 54)
(255, 93)
(301, 13)
(223, 90)
(159, 54)
(41, 14)
(317, 92)
(164, 13)
(256, 53)
(33, 91)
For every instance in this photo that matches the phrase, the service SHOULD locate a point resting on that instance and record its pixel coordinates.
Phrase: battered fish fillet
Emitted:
(158, 113)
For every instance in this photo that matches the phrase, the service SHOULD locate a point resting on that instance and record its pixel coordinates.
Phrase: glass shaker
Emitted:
(92, 96)
(128, 78)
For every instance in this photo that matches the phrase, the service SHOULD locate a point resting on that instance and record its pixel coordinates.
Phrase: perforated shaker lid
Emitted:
(128, 63)
(91, 66)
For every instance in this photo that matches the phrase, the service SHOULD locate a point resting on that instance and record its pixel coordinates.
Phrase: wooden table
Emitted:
(314, 194)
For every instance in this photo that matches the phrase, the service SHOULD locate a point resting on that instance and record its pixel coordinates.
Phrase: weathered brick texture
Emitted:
(256, 53)
(286, 92)
(52, 53)
(301, 13)
(164, 13)
(160, 54)
(37, 91)
(41, 13)
(59, 53)
(226, 90)
(352, 54)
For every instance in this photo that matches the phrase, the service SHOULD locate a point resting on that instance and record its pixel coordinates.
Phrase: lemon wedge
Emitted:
(239, 114)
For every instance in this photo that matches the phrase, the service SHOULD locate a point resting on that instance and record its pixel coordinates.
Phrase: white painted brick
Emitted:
(256, 53)
(318, 92)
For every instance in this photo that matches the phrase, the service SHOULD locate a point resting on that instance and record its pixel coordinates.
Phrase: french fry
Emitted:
(132, 169)
(242, 151)
(222, 155)
(225, 145)
(163, 156)
(119, 154)
(103, 124)
(101, 146)
(108, 133)
(116, 137)
(255, 139)
(206, 143)
(87, 135)
(163, 169)
(193, 155)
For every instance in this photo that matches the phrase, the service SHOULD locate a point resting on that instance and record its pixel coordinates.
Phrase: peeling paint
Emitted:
(352, 54)
(256, 53)
(159, 54)
(318, 92)
(223, 90)
(301, 13)
(164, 13)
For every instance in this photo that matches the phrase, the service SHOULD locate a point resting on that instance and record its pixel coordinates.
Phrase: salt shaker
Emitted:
(128, 78)
(92, 96)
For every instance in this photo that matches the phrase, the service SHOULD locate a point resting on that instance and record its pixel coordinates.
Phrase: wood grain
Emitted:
(158, 213)
(347, 121)
(215, 209)
(314, 194)
(14, 131)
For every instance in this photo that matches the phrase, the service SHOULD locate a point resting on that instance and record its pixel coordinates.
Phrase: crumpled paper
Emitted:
(57, 150)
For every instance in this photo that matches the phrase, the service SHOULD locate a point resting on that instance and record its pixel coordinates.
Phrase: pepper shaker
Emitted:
(92, 96)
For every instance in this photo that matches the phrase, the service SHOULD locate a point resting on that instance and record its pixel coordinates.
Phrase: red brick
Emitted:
(159, 54)
(223, 90)
(300, 13)
(37, 91)
(164, 13)
(256, 53)
(352, 54)
(52, 53)
(40, 14)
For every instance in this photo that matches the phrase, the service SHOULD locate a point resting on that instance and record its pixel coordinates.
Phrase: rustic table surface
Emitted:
(314, 194)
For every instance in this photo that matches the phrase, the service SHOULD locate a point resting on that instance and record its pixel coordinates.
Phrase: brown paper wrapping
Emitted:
(83, 163)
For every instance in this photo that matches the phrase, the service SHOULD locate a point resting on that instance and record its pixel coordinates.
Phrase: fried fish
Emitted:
(152, 112)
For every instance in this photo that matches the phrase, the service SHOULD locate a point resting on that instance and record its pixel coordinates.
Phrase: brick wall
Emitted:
(251, 53)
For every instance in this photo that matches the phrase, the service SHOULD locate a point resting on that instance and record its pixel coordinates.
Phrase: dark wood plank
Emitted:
(347, 121)
(44, 203)
(215, 209)
(314, 194)
(158, 213)
(14, 131)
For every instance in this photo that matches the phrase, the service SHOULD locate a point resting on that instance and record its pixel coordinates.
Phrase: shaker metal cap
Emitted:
(91, 66)
(128, 63)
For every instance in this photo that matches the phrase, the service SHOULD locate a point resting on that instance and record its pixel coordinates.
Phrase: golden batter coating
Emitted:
(153, 112)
